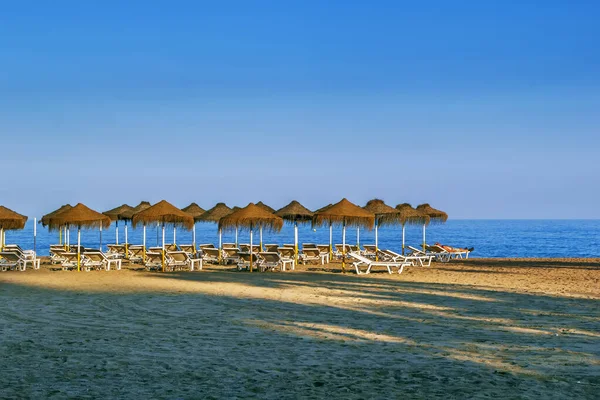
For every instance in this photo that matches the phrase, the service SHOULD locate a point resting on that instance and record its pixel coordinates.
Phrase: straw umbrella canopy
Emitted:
(215, 214)
(384, 215)
(410, 216)
(196, 212)
(436, 217)
(163, 212)
(44, 221)
(10, 220)
(119, 214)
(346, 214)
(295, 212)
(269, 209)
(80, 216)
(250, 217)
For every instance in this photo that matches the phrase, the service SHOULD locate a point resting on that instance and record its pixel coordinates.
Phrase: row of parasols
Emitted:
(253, 217)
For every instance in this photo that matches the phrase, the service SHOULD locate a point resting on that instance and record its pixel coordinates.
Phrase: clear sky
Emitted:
(484, 109)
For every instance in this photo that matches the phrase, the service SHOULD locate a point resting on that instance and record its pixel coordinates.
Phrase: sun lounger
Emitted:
(206, 246)
(136, 253)
(390, 255)
(210, 255)
(115, 250)
(153, 260)
(28, 254)
(188, 248)
(309, 246)
(177, 260)
(12, 259)
(453, 253)
(56, 255)
(364, 261)
(272, 261)
(69, 261)
(314, 254)
(231, 255)
(288, 255)
(271, 248)
(338, 250)
(99, 260)
(228, 246)
(245, 258)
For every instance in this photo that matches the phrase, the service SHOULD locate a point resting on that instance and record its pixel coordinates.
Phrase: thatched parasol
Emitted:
(164, 212)
(45, 218)
(252, 216)
(384, 215)
(195, 211)
(10, 220)
(215, 214)
(346, 214)
(295, 212)
(119, 214)
(265, 207)
(80, 216)
(436, 217)
(410, 216)
(127, 215)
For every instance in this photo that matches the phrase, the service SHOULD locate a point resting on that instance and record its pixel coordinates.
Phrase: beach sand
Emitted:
(474, 329)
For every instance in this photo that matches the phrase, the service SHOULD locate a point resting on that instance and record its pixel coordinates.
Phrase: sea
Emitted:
(490, 238)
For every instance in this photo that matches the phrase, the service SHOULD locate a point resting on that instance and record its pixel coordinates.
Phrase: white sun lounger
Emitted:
(362, 260)
(153, 260)
(180, 259)
(314, 254)
(12, 259)
(271, 260)
(423, 260)
(210, 255)
(99, 260)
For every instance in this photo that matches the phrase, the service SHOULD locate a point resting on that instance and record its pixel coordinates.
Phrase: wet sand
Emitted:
(478, 328)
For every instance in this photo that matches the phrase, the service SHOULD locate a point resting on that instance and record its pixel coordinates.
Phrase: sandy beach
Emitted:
(481, 328)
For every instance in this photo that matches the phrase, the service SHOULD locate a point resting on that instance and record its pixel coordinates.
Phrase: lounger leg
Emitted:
(400, 269)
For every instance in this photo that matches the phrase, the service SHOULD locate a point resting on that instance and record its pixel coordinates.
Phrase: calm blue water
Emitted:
(491, 238)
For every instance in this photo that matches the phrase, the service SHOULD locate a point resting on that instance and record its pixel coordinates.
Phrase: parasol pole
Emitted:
(295, 242)
(117, 231)
(236, 236)
(344, 246)
(358, 239)
(78, 248)
(100, 237)
(376, 239)
(34, 234)
(403, 226)
(174, 235)
(221, 243)
(424, 241)
(251, 252)
(163, 247)
(65, 237)
(260, 234)
(59, 235)
(194, 237)
(330, 241)
(157, 226)
(144, 244)
(1, 239)
(126, 241)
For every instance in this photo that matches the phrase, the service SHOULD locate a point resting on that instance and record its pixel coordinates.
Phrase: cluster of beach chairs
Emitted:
(269, 257)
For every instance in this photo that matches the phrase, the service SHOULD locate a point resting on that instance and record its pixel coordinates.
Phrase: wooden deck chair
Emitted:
(210, 255)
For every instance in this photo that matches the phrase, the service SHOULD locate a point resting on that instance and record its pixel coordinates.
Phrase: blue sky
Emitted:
(484, 110)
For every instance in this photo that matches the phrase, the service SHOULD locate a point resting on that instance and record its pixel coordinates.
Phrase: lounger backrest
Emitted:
(270, 257)
(180, 256)
(271, 248)
(211, 251)
(207, 246)
(360, 258)
(228, 245)
(323, 248)
(10, 256)
(309, 246)
(94, 256)
(312, 252)
(231, 252)
(286, 252)
(153, 257)
(188, 248)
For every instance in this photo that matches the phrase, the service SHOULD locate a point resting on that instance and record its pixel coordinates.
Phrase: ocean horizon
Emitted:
(490, 237)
